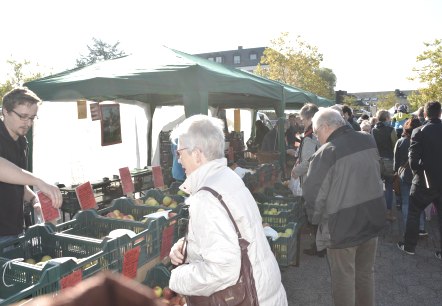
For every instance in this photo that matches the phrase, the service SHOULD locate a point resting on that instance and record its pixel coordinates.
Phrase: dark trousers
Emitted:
(420, 198)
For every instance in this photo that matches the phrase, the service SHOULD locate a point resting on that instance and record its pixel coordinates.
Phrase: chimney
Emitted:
(239, 47)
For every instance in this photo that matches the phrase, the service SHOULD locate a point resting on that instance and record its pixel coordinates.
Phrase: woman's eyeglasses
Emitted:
(178, 152)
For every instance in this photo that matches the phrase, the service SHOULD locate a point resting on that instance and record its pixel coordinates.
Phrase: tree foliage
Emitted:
(429, 72)
(299, 67)
(18, 77)
(100, 51)
(386, 101)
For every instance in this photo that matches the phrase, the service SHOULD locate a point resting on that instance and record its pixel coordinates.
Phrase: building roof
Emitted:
(247, 57)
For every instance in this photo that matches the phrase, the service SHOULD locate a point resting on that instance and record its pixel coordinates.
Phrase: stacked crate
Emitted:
(286, 216)
(166, 157)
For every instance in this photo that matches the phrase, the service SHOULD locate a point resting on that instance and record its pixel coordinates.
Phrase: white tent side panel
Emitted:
(68, 150)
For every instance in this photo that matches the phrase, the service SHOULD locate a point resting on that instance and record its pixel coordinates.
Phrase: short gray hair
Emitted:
(366, 126)
(201, 132)
(383, 115)
(329, 117)
(337, 108)
(308, 111)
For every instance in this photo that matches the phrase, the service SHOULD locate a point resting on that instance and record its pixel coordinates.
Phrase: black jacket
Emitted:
(425, 154)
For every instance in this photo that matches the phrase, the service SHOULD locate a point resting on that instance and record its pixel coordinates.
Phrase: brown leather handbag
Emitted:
(243, 293)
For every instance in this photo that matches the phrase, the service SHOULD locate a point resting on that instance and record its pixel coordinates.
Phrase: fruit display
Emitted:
(116, 214)
(285, 247)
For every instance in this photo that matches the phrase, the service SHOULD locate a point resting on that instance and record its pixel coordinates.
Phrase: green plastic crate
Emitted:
(21, 281)
(286, 249)
(90, 224)
(92, 256)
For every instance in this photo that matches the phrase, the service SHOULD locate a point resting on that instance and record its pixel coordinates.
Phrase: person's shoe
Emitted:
(423, 233)
(401, 246)
(321, 253)
(438, 255)
(310, 252)
(390, 216)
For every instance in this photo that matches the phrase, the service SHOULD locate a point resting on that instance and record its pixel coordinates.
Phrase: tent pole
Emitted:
(281, 135)
(149, 135)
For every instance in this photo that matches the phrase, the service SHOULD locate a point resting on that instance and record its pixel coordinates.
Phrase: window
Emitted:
(210, 59)
(219, 59)
(237, 59)
(253, 57)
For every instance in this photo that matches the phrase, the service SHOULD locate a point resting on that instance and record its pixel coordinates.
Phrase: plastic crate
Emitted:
(159, 195)
(158, 276)
(21, 281)
(286, 249)
(90, 224)
(89, 255)
(128, 207)
(293, 205)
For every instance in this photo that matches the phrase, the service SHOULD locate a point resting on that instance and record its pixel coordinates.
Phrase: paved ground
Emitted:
(400, 279)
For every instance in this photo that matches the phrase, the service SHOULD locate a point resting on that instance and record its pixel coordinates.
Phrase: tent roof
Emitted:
(163, 76)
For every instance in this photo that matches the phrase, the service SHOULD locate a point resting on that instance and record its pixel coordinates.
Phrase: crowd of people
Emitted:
(348, 187)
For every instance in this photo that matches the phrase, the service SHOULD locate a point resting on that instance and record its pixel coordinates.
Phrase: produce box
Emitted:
(278, 211)
(90, 224)
(21, 281)
(33, 254)
(287, 247)
(155, 197)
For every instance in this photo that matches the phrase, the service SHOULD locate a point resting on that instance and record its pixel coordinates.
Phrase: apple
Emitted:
(168, 293)
(150, 201)
(111, 215)
(158, 291)
(131, 217)
(174, 204)
(45, 258)
(117, 213)
(30, 261)
(175, 300)
(167, 200)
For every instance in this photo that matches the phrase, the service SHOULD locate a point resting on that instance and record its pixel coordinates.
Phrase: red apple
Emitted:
(168, 293)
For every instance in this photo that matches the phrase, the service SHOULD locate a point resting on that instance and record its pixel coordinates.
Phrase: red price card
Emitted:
(85, 196)
(157, 174)
(166, 241)
(126, 181)
(49, 212)
(72, 279)
(130, 262)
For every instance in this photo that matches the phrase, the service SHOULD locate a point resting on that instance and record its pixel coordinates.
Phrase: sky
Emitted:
(370, 45)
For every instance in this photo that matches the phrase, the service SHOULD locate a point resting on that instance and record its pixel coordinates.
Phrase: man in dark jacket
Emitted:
(348, 207)
(425, 161)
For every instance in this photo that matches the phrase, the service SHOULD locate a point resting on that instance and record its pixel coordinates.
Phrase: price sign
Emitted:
(126, 181)
(157, 174)
(72, 279)
(167, 240)
(85, 196)
(49, 212)
(130, 262)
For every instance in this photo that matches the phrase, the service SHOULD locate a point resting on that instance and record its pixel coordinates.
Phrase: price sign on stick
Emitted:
(130, 262)
(157, 175)
(49, 212)
(85, 196)
(72, 279)
(126, 181)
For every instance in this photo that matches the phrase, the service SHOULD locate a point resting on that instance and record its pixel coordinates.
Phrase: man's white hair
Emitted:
(329, 117)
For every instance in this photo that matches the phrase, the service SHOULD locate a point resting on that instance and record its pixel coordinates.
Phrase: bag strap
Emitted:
(220, 198)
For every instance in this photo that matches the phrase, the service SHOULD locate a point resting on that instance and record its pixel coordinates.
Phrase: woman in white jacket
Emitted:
(213, 253)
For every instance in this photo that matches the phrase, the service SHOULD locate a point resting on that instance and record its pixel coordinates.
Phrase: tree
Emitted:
(430, 73)
(298, 67)
(18, 77)
(386, 101)
(100, 51)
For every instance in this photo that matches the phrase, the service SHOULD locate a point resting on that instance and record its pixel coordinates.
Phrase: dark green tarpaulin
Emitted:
(164, 76)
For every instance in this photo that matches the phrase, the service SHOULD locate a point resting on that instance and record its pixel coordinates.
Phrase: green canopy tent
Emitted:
(164, 76)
